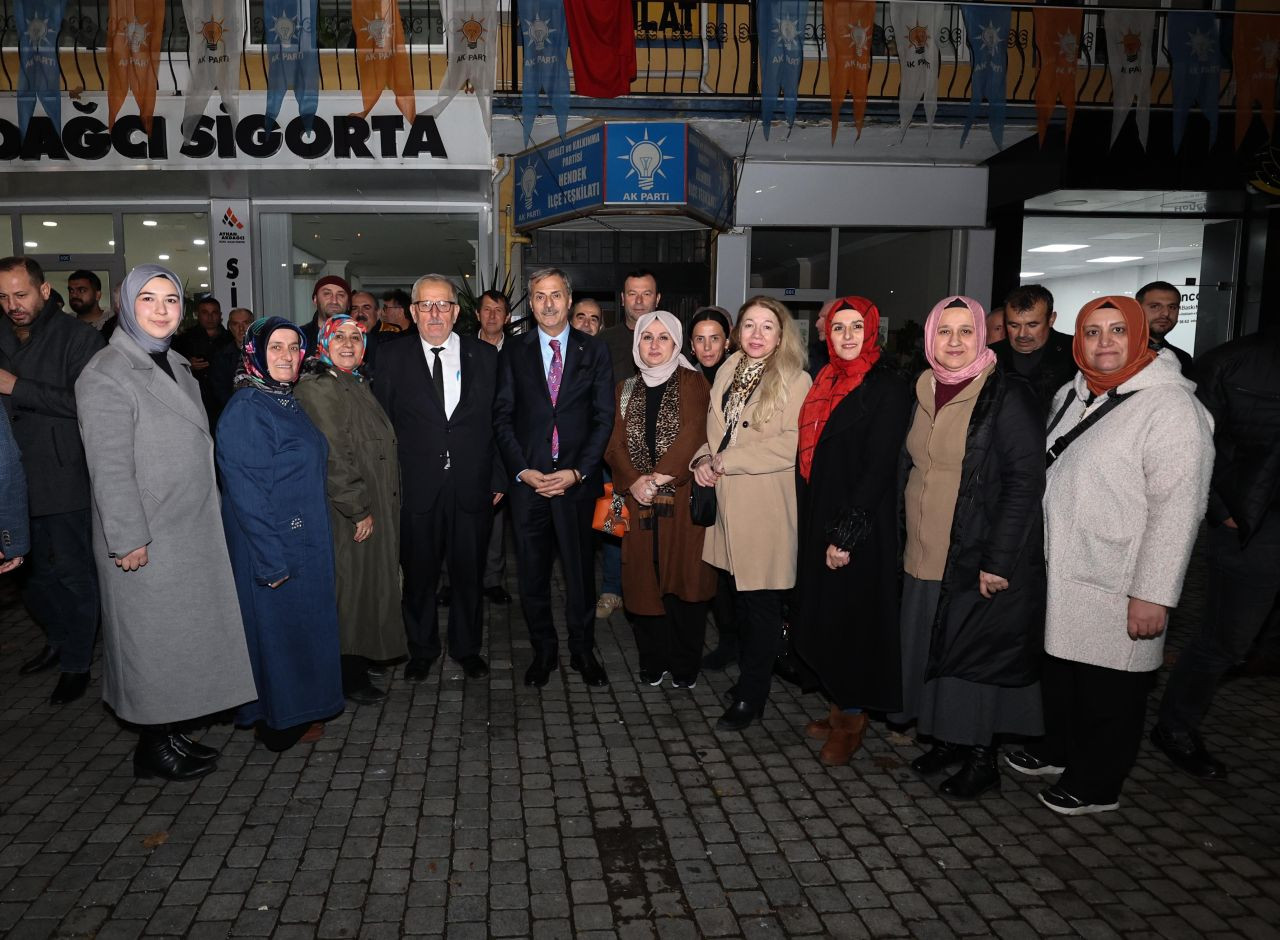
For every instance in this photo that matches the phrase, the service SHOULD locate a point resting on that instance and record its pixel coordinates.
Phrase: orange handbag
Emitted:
(611, 516)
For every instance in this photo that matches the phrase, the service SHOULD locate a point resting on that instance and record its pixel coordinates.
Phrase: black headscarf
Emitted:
(253, 371)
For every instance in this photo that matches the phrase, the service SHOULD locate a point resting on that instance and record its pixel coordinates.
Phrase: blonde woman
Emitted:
(750, 459)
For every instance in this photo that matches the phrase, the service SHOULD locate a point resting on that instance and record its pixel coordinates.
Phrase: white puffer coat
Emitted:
(1121, 509)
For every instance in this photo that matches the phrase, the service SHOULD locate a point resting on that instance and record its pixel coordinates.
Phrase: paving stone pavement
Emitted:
(484, 809)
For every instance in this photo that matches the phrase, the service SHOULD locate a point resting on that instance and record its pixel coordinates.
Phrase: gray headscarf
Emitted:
(134, 281)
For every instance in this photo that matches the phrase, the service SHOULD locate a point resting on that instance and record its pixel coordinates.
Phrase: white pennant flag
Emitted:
(472, 30)
(915, 33)
(1130, 34)
(216, 31)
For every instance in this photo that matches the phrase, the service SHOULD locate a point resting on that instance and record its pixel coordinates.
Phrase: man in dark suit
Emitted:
(439, 394)
(552, 417)
(1032, 348)
(1160, 302)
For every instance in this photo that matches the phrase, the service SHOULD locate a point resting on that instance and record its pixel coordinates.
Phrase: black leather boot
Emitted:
(156, 756)
(942, 755)
(980, 773)
(191, 748)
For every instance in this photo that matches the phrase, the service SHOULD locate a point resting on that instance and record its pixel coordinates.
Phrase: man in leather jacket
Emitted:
(1239, 383)
(1032, 347)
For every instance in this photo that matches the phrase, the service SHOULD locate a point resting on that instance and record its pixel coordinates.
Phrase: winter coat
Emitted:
(1122, 506)
(845, 624)
(273, 462)
(995, 527)
(1057, 365)
(678, 567)
(15, 530)
(754, 536)
(43, 406)
(1239, 383)
(363, 479)
(172, 640)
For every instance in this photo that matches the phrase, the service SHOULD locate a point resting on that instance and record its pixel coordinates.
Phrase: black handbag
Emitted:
(702, 499)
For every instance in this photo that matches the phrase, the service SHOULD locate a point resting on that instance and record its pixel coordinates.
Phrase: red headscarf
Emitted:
(1140, 355)
(838, 378)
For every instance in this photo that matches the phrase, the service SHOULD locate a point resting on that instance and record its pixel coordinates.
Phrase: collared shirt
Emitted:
(544, 341)
(451, 362)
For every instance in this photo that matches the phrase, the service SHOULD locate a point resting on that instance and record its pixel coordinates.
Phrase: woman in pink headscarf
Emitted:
(972, 610)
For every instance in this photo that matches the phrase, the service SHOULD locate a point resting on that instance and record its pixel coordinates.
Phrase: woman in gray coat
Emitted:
(173, 643)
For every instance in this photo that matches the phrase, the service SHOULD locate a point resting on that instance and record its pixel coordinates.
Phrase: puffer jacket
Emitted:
(1239, 382)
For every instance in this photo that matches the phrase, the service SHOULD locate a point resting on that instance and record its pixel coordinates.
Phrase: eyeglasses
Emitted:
(433, 306)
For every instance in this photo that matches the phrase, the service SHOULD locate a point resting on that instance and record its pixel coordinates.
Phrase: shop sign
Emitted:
(643, 165)
(336, 137)
(231, 254)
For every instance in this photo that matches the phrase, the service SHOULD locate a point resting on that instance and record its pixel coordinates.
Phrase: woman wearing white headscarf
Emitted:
(173, 642)
(659, 424)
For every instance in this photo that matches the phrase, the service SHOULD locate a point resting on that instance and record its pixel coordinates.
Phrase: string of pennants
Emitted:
(549, 29)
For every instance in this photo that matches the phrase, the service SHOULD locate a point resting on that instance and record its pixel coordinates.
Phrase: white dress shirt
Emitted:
(451, 363)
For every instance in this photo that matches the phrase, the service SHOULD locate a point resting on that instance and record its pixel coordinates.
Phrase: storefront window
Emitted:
(798, 258)
(57, 233)
(177, 240)
(904, 272)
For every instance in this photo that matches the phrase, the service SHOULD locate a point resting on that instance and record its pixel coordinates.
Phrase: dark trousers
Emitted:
(672, 642)
(758, 615)
(495, 560)
(1093, 720)
(1242, 586)
(722, 610)
(61, 590)
(543, 527)
(427, 541)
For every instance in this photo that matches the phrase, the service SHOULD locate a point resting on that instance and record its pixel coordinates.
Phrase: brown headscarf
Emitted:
(1139, 357)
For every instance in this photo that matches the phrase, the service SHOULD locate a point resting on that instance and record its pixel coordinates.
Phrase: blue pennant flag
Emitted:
(293, 60)
(38, 24)
(1197, 65)
(987, 29)
(781, 26)
(545, 39)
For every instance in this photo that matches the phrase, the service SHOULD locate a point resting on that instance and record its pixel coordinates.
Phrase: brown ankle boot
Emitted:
(845, 738)
(819, 728)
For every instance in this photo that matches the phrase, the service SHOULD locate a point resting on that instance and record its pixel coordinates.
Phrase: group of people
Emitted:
(986, 551)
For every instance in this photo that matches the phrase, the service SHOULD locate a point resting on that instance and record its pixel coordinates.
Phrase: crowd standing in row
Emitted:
(986, 550)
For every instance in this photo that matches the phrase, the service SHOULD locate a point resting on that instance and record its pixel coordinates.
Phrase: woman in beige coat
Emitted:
(750, 459)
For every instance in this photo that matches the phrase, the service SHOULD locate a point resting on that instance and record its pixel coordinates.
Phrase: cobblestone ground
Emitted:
(484, 809)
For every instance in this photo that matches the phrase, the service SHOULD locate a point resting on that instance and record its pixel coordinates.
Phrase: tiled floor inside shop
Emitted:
(484, 809)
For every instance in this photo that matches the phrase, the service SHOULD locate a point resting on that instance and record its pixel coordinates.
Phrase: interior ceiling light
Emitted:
(163, 257)
(197, 241)
(150, 223)
(1113, 259)
(49, 223)
(204, 285)
(30, 245)
(112, 243)
(1030, 273)
(1056, 249)
(203, 267)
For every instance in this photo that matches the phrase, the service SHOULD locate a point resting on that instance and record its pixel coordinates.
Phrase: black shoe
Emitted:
(474, 667)
(189, 748)
(377, 671)
(71, 686)
(1024, 762)
(979, 774)
(686, 682)
(652, 677)
(723, 656)
(730, 695)
(942, 755)
(156, 756)
(367, 695)
(417, 669)
(498, 594)
(444, 596)
(539, 671)
(738, 716)
(586, 665)
(47, 658)
(1188, 754)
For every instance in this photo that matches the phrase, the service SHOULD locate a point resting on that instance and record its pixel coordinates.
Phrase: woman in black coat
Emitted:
(973, 563)
(845, 622)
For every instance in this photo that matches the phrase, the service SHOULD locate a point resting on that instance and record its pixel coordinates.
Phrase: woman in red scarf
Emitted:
(845, 623)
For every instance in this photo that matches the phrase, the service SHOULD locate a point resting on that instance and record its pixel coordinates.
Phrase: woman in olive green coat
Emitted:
(364, 504)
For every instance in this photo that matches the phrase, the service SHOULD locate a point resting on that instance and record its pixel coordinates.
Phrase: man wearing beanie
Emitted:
(331, 296)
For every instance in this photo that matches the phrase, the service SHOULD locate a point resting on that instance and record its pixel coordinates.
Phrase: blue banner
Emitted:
(644, 163)
(292, 57)
(561, 178)
(780, 25)
(38, 25)
(987, 30)
(544, 37)
(710, 190)
(1197, 64)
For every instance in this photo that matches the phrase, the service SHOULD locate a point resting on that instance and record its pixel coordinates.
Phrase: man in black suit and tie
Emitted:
(552, 418)
(439, 393)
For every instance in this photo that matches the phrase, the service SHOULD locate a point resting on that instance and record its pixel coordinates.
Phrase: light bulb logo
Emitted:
(528, 186)
(646, 159)
(472, 31)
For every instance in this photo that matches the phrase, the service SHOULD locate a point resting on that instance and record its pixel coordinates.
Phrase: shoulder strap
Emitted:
(1071, 396)
(1062, 443)
(628, 389)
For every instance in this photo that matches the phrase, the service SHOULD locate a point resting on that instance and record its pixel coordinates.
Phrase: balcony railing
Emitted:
(707, 58)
